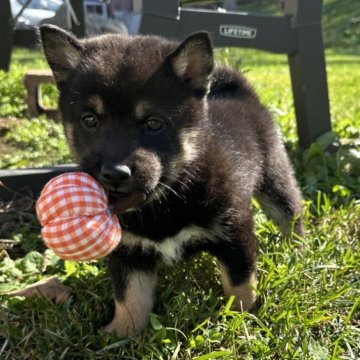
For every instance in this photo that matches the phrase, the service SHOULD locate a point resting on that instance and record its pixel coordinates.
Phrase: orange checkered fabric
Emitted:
(77, 224)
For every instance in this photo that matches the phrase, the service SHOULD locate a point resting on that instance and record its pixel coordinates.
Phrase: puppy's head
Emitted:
(133, 108)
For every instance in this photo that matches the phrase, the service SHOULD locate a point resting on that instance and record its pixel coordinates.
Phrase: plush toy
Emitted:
(77, 223)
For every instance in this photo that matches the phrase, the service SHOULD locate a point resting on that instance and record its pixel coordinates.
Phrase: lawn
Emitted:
(310, 298)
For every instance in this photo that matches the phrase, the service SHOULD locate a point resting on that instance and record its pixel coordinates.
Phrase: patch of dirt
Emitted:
(6, 148)
(17, 213)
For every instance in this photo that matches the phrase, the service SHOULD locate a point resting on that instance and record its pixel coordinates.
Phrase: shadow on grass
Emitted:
(335, 172)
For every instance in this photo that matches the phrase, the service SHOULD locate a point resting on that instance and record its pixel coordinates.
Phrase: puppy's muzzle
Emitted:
(117, 180)
(116, 177)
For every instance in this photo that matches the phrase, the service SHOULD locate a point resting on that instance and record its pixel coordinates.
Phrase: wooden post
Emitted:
(308, 71)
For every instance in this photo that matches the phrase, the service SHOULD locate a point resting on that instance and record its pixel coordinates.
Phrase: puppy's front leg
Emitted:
(134, 280)
(237, 258)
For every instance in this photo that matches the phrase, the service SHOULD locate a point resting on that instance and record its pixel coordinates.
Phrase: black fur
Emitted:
(217, 147)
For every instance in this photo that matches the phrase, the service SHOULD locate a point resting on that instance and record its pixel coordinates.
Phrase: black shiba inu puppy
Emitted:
(181, 147)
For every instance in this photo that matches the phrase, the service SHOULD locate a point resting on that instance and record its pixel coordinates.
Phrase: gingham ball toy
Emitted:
(77, 224)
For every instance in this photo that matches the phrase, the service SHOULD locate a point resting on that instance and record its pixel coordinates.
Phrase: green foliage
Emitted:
(310, 302)
(30, 142)
(12, 94)
(39, 142)
(341, 21)
(49, 96)
(335, 173)
(26, 270)
(12, 90)
(309, 289)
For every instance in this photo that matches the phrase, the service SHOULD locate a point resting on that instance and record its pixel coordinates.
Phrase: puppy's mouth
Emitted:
(122, 202)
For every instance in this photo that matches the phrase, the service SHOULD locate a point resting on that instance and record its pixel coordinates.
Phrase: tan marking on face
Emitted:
(245, 295)
(189, 145)
(142, 109)
(97, 104)
(189, 152)
(132, 314)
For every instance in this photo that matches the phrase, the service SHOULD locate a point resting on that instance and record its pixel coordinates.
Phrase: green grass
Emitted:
(310, 302)
(342, 25)
(310, 298)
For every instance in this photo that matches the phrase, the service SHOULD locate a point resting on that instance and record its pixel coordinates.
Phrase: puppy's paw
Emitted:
(245, 297)
(129, 319)
(132, 312)
(245, 293)
(121, 327)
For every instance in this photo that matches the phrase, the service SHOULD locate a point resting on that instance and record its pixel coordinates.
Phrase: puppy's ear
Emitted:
(193, 62)
(62, 51)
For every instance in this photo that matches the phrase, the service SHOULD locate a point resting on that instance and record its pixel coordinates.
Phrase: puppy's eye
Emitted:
(90, 121)
(154, 124)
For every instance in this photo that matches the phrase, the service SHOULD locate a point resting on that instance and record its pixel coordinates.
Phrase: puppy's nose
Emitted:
(115, 176)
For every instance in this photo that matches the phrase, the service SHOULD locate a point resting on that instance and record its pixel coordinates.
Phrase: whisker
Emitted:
(163, 194)
(191, 175)
(174, 180)
(170, 189)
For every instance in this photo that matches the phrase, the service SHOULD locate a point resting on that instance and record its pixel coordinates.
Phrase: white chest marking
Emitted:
(171, 248)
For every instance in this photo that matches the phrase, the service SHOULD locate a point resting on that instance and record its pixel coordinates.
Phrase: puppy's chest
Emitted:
(172, 248)
(178, 226)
